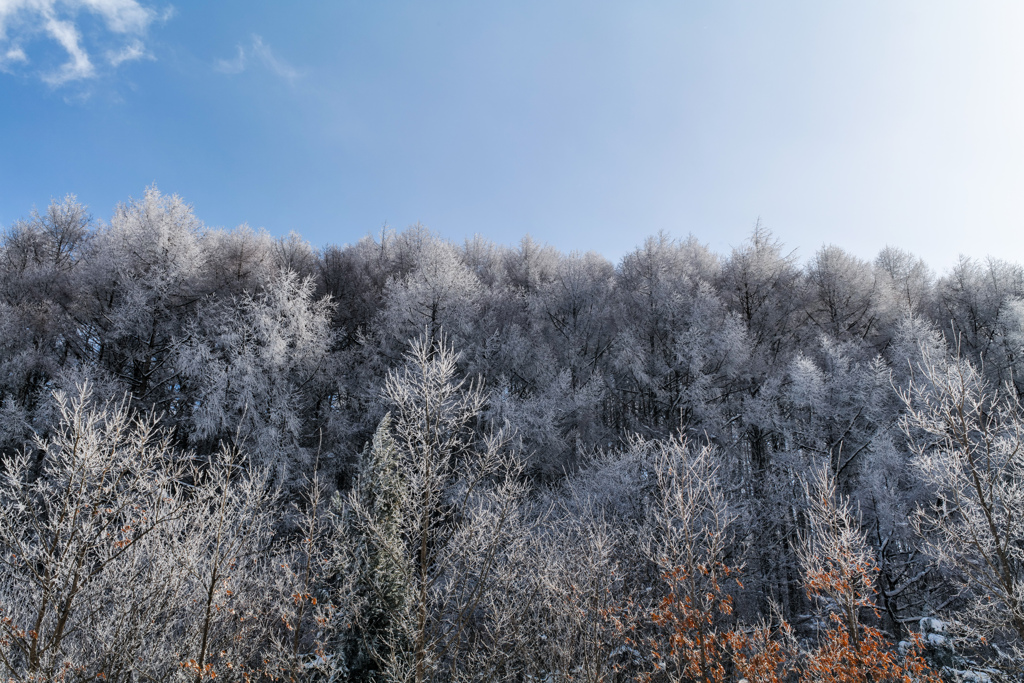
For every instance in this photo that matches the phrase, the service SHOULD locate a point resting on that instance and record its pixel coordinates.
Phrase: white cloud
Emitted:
(79, 65)
(258, 53)
(22, 19)
(278, 66)
(130, 52)
(232, 66)
(123, 16)
(15, 54)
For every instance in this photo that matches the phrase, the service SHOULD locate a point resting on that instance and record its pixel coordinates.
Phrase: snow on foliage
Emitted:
(234, 455)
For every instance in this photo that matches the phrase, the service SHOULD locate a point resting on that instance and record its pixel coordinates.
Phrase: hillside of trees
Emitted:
(234, 456)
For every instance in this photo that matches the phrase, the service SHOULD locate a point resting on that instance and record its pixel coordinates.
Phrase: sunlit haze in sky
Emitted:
(588, 125)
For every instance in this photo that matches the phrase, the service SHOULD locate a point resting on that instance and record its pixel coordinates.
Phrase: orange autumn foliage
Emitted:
(695, 646)
(839, 577)
(761, 658)
(849, 651)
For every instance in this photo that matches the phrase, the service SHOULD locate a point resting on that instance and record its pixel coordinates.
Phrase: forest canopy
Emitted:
(234, 455)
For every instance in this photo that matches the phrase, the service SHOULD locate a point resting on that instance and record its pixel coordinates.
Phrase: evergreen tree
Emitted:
(374, 520)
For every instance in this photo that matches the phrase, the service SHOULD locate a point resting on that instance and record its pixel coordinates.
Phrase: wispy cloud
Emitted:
(259, 54)
(11, 59)
(129, 53)
(79, 65)
(22, 19)
(13, 55)
(232, 66)
(123, 16)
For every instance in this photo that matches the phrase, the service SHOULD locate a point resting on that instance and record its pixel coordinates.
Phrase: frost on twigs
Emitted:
(839, 577)
(83, 564)
(968, 442)
(697, 636)
(434, 515)
(122, 558)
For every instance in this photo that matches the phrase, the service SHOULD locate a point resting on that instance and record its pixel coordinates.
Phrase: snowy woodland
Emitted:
(234, 456)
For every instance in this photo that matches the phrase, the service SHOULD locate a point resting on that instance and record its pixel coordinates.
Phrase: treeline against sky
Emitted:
(410, 459)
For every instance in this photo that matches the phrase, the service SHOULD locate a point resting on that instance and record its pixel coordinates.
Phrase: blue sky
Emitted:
(586, 124)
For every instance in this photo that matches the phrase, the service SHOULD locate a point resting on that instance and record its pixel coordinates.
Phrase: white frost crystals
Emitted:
(83, 532)
(969, 446)
(121, 556)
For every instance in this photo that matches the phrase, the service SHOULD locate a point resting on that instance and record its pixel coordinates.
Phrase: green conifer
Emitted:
(374, 520)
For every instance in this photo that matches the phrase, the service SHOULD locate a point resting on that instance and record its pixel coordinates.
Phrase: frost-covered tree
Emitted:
(373, 518)
(839, 576)
(689, 543)
(969, 302)
(310, 602)
(250, 369)
(142, 282)
(679, 348)
(460, 516)
(356, 276)
(837, 406)
(123, 559)
(1008, 354)
(438, 293)
(226, 563)
(531, 265)
(574, 320)
(296, 255)
(39, 265)
(844, 300)
(765, 288)
(968, 441)
(88, 523)
(907, 279)
(238, 261)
